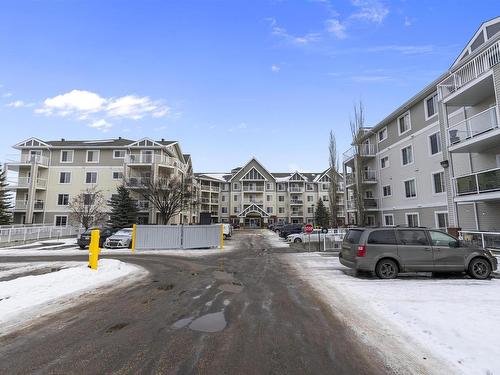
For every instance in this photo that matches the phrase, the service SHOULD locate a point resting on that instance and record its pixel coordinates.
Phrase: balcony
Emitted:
(142, 159)
(253, 201)
(137, 182)
(21, 205)
(29, 159)
(296, 201)
(349, 179)
(476, 133)
(369, 177)
(351, 205)
(297, 214)
(469, 72)
(480, 185)
(38, 205)
(296, 189)
(143, 205)
(250, 188)
(370, 204)
(205, 200)
(364, 150)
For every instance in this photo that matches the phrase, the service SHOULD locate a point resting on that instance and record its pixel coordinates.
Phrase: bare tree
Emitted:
(169, 196)
(357, 123)
(333, 173)
(88, 208)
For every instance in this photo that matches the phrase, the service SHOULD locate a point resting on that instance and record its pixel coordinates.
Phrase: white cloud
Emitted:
(17, 104)
(408, 21)
(240, 126)
(101, 125)
(7, 94)
(404, 49)
(336, 28)
(86, 105)
(293, 39)
(370, 10)
(275, 68)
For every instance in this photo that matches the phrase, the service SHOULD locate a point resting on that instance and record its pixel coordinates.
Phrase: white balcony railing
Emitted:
(296, 201)
(28, 159)
(137, 182)
(470, 71)
(365, 150)
(204, 200)
(142, 158)
(297, 189)
(21, 205)
(473, 126)
(369, 175)
(297, 213)
(253, 188)
(253, 201)
(479, 182)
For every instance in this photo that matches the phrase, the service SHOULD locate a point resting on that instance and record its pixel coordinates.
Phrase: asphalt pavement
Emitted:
(240, 312)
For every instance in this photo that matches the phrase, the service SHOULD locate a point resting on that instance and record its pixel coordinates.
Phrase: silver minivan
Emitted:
(389, 251)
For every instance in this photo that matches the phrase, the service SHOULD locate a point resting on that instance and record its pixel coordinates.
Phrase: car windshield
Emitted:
(124, 232)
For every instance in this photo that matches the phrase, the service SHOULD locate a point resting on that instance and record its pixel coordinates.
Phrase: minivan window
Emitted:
(412, 237)
(353, 236)
(382, 237)
(441, 239)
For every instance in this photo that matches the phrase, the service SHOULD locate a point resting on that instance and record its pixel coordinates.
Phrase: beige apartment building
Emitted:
(251, 196)
(435, 161)
(51, 173)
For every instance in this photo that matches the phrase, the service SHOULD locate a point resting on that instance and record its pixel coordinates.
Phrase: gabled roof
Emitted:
(147, 142)
(118, 142)
(486, 32)
(253, 159)
(31, 142)
(219, 177)
(253, 208)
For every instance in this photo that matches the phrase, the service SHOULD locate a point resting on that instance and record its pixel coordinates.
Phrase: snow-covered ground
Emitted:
(28, 297)
(452, 321)
(274, 239)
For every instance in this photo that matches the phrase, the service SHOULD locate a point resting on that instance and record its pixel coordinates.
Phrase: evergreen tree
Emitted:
(322, 217)
(5, 204)
(123, 209)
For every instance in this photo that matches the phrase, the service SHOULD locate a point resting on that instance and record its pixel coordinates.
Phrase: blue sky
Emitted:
(228, 79)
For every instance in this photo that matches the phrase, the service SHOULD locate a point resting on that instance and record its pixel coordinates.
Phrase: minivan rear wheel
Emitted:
(479, 268)
(297, 240)
(387, 269)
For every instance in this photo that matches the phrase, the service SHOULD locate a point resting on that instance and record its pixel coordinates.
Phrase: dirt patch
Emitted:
(165, 287)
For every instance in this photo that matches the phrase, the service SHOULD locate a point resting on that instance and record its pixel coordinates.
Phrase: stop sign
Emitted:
(308, 228)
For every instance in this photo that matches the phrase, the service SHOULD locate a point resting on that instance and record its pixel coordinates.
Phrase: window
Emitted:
(325, 198)
(310, 210)
(431, 106)
(64, 177)
(438, 182)
(412, 220)
(236, 186)
(412, 237)
(91, 177)
(281, 198)
(309, 187)
(235, 198)
(67, 156)
(269, 210)
(384, 162)
(92, 156)
(117, 175)
(281, 187)
(118, 154)
(309, 198)
(223, 198)
(442, 220)
(223, 210)
(353, 236)
(441, 239)
(370, 220)
(62, 199)
(382, 237)
(382, 135)
(435, 143)
(410, 189)
(407, 155)
(269, 186)
(281, 210)
(386, 191)
(369, 194)
(236, 210)
(404, 123)
(60, 221)
(268, 198)
(389, 220)
(88, 199)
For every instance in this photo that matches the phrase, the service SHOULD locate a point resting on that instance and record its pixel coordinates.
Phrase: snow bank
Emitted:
(454, 319)
(273, 239)
(29, 297)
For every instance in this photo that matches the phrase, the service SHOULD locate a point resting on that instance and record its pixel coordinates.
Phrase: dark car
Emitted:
(289, 229)
(84, 239)
(278, 227)
(388, 251)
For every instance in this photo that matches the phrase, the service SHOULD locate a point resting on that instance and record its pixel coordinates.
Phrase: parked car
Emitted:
(333, 234)
(388, 251)
(290, 229)
(121, 239)
(84, 239)
(278, 227)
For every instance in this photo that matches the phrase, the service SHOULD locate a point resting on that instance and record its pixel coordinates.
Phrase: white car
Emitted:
(120, 240)
(333, 234)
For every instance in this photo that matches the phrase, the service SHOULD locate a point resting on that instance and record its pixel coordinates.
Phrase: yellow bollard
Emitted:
(132, 245)
(94, 249)
(222, 236)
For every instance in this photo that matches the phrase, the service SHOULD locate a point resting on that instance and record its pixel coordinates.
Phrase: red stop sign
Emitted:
(308, 228)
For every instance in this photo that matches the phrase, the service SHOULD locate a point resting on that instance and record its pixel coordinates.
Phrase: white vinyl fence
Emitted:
(164, 237)
(29, 233)
(486, 240)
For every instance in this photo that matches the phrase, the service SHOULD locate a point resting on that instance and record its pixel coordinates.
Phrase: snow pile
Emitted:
(29, 297)
(273, 239)
(455, 319)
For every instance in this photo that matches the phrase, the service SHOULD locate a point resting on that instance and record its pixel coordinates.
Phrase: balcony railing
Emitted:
(366, 150)
(21, 205)
(142, 205)
(369, 176)
(470, 71)
(297, 213)
(253, 188)
(29, 159)
(473, 126)
(370, 203)
(137, 181)
(296, 189)
(296, 201)
(154, 159)
(204, 200)
(253, 201)
(480, 182)
(351, 205)
(349, 179)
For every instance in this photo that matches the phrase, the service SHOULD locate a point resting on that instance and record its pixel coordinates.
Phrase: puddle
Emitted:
(214, 322)
(182, 323)
(231, 288)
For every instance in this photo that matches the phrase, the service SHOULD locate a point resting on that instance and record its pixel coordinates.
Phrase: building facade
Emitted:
(51, 173)
(435, 161)
(251, 196)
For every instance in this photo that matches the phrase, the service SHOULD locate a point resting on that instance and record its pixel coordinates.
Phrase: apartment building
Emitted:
(251, 196)
(51, 173)
(435, 161)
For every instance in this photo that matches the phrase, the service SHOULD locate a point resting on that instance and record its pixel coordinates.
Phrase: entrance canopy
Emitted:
(253, 209)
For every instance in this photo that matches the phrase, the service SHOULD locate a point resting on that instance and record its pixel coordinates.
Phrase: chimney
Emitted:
(120, 138)
(62, 139)
(163, 139)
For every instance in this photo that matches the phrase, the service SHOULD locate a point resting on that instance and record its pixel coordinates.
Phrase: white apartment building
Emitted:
(435, 161)
(251, 196)
(51, 173)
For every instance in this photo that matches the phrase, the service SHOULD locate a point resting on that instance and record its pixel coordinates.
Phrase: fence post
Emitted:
(482, 240)
(222, 236)
(134, 229)
(10, 232)
(24, 235)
